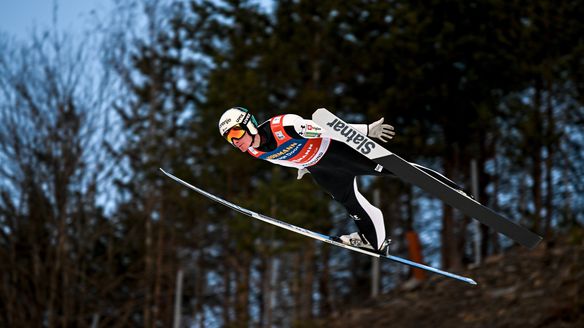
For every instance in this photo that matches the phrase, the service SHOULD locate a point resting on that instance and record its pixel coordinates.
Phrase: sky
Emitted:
(19, 17)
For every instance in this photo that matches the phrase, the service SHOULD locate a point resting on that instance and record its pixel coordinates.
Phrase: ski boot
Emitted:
(356, 239)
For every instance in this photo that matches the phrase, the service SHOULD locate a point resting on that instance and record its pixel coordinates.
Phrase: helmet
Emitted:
(238, 116)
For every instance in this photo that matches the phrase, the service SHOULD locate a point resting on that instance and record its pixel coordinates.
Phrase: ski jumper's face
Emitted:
(244, 142)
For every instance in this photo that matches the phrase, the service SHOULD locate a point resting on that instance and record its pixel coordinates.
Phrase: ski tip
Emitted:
(166, 173)
(472, 282)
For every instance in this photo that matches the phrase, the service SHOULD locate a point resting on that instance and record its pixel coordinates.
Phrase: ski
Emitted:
(315, 235)
(407, 172)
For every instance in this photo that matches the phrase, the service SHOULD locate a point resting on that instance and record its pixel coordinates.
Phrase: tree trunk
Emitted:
(324, 284)
(536, 149)
(199, 291)
(451, 254)
(147, 271)
(156, 306)
(494, 235)
(226, 296)
(267, 294)
(296, 278)
(550, 142)
(307, 282)
(242, 291)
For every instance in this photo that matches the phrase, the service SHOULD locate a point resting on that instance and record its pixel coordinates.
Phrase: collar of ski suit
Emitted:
(290, 151)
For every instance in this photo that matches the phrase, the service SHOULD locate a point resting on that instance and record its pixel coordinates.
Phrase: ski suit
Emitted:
(289, 140)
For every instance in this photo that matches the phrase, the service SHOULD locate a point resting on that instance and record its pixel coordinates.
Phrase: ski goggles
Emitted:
(234, 133)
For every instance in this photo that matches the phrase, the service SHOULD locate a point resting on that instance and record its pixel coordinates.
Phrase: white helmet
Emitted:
(237, 116)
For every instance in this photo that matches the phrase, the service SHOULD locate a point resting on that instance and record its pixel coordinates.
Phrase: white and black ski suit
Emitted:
(292, 141)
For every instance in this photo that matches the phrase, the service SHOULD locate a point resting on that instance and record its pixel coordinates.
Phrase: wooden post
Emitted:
(415, 252)
(178, 298)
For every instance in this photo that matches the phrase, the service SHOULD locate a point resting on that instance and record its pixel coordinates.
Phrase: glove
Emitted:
(380, 131)
(301, 173)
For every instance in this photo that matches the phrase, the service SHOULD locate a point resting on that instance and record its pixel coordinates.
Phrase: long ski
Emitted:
(407, 172)
(315, 235)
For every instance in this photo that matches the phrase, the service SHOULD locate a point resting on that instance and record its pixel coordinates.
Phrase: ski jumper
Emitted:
(289, 140)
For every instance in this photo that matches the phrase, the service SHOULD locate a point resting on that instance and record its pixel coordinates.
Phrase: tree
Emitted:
(52, 224)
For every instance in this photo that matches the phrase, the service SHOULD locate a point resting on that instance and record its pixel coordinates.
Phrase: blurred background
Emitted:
(94, 98)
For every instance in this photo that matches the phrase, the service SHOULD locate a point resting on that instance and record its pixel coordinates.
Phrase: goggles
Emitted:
(234, 133)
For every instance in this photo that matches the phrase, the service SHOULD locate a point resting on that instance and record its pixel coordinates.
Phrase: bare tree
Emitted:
(52, 123)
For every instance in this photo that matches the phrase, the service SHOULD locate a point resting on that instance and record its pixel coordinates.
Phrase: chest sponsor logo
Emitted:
(308, 151)
(286, 152)
(279, 135)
